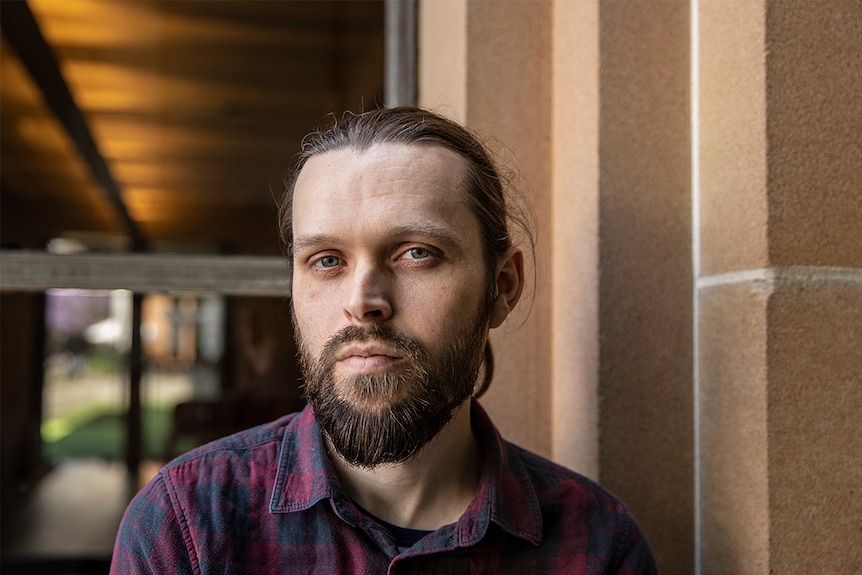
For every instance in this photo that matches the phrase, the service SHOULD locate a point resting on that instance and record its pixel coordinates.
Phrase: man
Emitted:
(396, 228)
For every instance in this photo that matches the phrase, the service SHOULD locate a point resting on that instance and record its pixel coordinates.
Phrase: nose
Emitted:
(368, 297)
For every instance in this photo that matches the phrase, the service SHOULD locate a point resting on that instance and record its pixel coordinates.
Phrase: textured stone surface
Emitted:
(815, 428)
(646, 443)
(814, 121)
(593, 98)
(732, 150)
(733, 412)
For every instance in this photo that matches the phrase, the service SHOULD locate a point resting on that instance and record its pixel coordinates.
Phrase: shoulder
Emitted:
(243, 441)
(554, 482)
(230, 458)
(566, 494)
(210, 490)
(237, 466)
(573, 505)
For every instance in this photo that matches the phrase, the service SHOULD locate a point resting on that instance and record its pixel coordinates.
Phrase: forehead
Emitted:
(386, 164)
(384, 185)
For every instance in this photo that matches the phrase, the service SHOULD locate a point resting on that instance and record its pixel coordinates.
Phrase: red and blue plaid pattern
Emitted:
(266, 502)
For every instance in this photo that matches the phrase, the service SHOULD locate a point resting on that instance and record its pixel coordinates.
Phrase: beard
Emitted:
(387, 418)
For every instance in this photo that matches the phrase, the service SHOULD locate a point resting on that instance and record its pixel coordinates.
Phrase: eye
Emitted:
(327, 262)
(417, 254)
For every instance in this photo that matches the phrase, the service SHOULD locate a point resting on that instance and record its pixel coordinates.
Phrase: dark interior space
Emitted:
(161, 128)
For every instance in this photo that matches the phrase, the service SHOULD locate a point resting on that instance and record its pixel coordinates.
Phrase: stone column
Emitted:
(779, 287)
(645, 295)
(592, 100)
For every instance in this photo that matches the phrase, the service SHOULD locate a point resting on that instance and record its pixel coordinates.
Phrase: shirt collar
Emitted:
(505, 496)
(303, 476)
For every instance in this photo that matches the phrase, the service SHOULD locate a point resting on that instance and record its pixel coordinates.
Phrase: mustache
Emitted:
(402, 343)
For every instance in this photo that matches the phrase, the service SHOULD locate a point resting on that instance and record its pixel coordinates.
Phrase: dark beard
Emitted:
(374, 419)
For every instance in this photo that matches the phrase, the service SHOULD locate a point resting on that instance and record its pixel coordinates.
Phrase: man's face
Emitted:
(390, 296)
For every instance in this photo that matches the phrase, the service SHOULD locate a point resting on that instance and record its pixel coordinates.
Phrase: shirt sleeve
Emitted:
(152, 536)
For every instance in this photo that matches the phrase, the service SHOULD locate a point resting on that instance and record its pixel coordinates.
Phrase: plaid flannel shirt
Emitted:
(266, 501)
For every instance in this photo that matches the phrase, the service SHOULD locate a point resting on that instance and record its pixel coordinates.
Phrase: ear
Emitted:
(508, 285)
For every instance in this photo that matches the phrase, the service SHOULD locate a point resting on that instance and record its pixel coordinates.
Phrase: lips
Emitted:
(366, 358)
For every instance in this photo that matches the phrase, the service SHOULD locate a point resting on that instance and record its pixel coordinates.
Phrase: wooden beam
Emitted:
(30, 271)
(22, 32)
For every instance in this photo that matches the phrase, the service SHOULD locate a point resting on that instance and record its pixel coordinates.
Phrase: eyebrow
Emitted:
(439, 234)
(304, 242)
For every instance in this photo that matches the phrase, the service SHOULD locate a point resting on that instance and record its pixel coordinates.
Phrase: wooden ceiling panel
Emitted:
(46, 186)
(196, 106)
(233, 184)
(108, 23)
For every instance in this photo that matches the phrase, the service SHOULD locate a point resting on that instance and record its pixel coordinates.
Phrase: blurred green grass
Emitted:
(99, 431)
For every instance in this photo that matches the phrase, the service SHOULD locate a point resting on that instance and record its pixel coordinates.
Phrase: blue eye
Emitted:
(328, 262)
(418, 253)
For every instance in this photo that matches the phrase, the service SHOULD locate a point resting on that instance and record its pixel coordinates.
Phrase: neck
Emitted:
(427, 491)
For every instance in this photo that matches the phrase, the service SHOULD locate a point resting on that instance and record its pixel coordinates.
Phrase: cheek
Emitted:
(313, 315)
(310, 296)
(439, 313)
